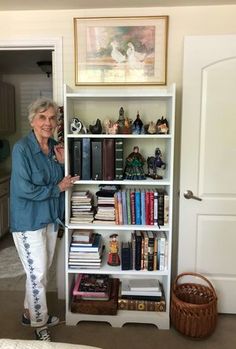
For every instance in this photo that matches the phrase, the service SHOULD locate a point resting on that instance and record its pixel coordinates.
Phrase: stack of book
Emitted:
(95, 294)
(141, 294)
(105, 205)
(85, 251)
(82, 210)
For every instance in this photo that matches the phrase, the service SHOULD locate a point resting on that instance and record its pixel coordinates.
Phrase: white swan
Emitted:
(135, 58)
(116, 54)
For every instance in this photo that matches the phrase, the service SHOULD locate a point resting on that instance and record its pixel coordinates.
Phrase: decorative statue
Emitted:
(162, 126)
(134, 165)
(155, 162)
(121, 120)
(113, 255)
(97, 128)
(151, 128)
(76, 126)
(111, 128)
(137, 127)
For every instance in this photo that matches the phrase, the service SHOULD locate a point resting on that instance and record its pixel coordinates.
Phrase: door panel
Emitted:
(207, 228)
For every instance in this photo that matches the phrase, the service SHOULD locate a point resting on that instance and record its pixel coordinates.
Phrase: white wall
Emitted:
(202, 20)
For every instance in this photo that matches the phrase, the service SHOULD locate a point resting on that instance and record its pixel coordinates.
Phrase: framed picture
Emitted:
(121, 50)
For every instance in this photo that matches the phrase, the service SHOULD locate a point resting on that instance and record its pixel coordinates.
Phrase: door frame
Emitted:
(53, 44)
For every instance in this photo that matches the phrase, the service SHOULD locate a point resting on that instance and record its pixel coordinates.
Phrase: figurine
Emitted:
(155, 162)
(97, 128)
(76, 126)
(134, 165)
(121, 120)
(111, 128)
(137, 127)
(128, 126)
(151, 128)
(113, 255)
(162, 126)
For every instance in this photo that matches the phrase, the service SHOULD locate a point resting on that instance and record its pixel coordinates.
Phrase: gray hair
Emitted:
(40, 105)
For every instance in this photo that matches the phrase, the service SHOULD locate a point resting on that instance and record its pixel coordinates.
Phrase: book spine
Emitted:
(138, 249)
(116, 208)
(97, 159)
(151, 208)
(155, 213)
(132, 203)
(76, 157)
(137, 207)
(120, 212)
(161, 208)
(143, 209)
(119, 159)
(86, 159)
(147, 206)
(141, 305)
(108, 168)
(145, 250)
(150, 251)
(124, 207)
(166, 209)
(128, 206)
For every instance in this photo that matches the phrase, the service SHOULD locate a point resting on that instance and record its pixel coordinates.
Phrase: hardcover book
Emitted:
(108, 166)
(76, 156)
(92, 285)
(96, 159)
(119, 159)
(86, 159)
(141, 305)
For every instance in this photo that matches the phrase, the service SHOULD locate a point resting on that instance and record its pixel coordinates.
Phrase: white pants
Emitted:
(36, 249)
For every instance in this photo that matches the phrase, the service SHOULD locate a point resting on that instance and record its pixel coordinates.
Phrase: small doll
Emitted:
(134, 165)
(113, 255)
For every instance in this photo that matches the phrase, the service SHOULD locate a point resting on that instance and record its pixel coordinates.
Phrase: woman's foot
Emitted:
(42, 334)
(52, 320)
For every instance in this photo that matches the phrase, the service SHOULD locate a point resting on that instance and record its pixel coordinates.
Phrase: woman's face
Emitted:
(44, 123)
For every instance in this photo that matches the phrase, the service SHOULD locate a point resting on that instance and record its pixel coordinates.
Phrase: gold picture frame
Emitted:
(121, 50)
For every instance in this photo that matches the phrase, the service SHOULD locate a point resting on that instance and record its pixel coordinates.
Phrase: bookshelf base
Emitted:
(159, 319)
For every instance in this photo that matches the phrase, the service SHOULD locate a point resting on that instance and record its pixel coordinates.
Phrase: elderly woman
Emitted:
(36, 208)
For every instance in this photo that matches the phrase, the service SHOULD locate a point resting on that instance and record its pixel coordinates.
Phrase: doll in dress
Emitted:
(134, 165)
(113, 256)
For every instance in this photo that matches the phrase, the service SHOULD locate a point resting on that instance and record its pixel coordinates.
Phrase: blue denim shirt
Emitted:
(35, 198)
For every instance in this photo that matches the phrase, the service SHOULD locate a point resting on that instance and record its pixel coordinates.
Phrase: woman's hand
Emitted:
(59, 153)
(67, 182)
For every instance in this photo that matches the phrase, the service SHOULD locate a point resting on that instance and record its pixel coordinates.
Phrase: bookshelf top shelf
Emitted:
(116, 227)
(136, 183)
(124, 92)
(144, 136)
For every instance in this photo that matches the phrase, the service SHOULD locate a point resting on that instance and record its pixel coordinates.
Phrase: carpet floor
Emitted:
(131, 336)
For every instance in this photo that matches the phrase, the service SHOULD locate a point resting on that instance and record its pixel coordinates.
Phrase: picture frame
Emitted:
(121, 50)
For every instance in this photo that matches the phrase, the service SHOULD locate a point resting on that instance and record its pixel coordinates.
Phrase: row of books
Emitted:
(128, 206)
(97, 159)
(102, 295)
(142, 207)
(85, 250)
(147, 250)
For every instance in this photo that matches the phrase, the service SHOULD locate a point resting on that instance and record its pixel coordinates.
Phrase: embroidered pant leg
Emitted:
(32, 247)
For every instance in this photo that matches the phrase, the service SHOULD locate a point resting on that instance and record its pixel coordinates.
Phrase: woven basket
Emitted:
(193, 307)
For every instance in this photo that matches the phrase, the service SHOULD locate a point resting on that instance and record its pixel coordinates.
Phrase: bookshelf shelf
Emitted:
(104, 103)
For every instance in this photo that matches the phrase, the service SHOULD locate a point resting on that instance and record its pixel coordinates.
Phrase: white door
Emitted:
(207, 228)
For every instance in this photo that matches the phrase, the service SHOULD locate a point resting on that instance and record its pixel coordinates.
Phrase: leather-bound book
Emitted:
(86, 159)
(108, 166)
(96, 159)
(76, 157)
(119, 154)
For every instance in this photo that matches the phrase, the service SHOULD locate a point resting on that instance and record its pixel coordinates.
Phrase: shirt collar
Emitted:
(34, 144)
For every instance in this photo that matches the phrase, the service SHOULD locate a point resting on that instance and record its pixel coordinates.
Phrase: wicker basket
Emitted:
(193, 307)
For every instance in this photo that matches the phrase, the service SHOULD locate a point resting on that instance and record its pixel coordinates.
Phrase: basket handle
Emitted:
(196, 275)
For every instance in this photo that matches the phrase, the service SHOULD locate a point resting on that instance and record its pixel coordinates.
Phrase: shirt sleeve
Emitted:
(23, 185)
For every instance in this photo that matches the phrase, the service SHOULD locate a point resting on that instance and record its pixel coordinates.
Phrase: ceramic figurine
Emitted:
(113, 255)
(97, 128)
(137, 127)
(151, 128)
(121, 120)
(134, 165)
(76, 126)
(111, 128)
(162, 126)
(155, 162)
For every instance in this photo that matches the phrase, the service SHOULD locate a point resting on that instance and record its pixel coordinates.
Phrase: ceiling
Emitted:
(6, 5)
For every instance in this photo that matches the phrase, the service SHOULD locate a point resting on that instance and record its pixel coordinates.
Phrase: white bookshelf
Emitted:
(104, 103)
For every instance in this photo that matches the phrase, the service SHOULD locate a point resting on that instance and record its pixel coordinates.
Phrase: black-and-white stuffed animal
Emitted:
(77, 126)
